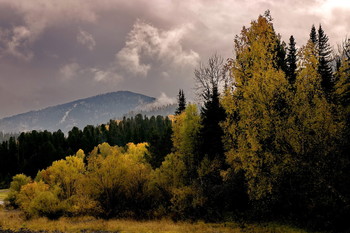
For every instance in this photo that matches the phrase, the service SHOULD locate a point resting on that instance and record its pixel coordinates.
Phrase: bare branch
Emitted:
(209, 76)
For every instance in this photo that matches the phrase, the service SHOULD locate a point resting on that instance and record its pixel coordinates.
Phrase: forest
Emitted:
(33, 151)
(269, 143)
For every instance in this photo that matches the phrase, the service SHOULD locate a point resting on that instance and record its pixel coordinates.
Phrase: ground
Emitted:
(14, 221)
(3, 194)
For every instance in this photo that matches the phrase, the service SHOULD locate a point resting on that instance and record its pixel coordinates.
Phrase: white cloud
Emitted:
(70, 70)
(107, 75)
(162, 100)
(86, 39)
(15, 42)
(129, 59)
(148, 43)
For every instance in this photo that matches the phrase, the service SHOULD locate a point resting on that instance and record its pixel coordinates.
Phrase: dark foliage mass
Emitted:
(181, 102)
(271, 142)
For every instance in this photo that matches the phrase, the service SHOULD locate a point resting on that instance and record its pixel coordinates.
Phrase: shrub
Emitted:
(18, 181)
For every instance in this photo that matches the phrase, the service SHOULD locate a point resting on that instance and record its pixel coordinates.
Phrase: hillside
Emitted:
(90, 111)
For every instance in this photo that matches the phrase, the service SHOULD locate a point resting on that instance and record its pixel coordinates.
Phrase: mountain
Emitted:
(90, 111)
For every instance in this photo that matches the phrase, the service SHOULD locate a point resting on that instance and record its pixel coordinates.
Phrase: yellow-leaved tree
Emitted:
(257, 108)
(58, 190)
(174, 179)
(118, 179)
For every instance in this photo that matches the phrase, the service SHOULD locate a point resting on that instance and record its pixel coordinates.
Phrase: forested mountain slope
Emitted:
(90, 111)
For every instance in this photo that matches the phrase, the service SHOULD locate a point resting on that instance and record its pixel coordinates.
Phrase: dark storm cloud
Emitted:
(56, 51)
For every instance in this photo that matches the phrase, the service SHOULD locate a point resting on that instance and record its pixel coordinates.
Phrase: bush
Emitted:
(36, 199)
(46, 204)
(18, 181)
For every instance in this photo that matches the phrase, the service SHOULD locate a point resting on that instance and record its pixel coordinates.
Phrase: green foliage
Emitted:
(291, 61)
(181, 102)
(325, 62)
(313, 35)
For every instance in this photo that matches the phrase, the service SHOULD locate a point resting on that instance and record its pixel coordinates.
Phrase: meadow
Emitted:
(15, 221)
(3, 194)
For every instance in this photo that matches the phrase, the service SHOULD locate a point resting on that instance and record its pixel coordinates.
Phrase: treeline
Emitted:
(271, 142)
(33, 151)
(7, 136)
(114, 181)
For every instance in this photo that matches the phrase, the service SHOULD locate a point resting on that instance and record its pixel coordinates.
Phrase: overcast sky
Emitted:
(52, 52)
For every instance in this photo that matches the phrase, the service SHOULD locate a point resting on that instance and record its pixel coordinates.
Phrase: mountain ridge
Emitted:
(92, 110)
(73, 101)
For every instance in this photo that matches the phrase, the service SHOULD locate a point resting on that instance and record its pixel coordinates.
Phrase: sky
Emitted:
(52, 52)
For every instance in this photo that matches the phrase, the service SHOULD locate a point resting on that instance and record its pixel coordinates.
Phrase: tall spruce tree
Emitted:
(212, 113)
(181, 102)
(324, 58)
(313, 35)
(291, 61)
(208, 78)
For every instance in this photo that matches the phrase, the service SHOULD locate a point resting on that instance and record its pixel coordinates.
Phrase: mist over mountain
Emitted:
(90, 111)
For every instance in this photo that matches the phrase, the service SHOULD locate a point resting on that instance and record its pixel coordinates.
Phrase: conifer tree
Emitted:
(313, 35)
(291, 61)
(342, 88)
(324, 59)
(181, 102)
(208, 78)
(313, 137)
(212, 113)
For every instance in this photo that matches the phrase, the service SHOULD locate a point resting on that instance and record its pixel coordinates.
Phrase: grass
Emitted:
(14, 220)
(3, 194)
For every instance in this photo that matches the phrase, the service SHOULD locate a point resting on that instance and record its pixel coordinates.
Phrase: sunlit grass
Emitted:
(3, 194)
(14, 220)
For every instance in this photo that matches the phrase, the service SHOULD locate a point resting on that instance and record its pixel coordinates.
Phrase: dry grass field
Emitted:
(3, 194)
(14, 220)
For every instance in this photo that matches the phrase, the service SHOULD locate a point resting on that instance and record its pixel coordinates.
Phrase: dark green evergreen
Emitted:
(281, 56)
(212, 114)
(313, 35)
(291, 61)
(181, 102)
(325, 61)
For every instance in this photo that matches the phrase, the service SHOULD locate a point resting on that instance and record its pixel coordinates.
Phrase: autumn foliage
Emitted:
(281, 126)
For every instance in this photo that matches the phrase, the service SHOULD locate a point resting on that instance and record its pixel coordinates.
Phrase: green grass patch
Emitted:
(3, 193)
(14, 220)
